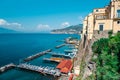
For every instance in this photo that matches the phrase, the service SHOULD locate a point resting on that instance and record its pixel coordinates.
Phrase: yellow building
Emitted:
(102, 19)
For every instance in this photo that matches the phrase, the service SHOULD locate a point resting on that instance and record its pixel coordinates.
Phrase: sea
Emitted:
(15, 47)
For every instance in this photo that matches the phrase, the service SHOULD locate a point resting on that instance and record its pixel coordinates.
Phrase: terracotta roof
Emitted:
(62, 64)
(65, 66)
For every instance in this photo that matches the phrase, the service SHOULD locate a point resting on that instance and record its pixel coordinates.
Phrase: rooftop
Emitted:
(65, 66)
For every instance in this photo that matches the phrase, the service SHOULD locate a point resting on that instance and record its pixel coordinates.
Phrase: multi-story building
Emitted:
(101, 19)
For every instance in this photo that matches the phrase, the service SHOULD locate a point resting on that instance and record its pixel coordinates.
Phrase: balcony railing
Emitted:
(102, 17)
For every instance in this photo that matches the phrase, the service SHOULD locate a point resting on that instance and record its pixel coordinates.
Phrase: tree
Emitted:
(99, 45)
(108, 60)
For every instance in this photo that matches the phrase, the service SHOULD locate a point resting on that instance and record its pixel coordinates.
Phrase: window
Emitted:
(101, 27)
(118, 13)
(81, 31)
(118, 22)
(97, 10)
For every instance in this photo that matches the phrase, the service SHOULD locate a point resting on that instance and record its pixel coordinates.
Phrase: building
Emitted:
(65, 66)
(102, 19)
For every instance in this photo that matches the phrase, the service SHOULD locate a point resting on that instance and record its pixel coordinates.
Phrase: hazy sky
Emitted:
(44, 15)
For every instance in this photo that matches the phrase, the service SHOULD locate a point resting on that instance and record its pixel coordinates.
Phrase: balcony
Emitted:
(101, 17)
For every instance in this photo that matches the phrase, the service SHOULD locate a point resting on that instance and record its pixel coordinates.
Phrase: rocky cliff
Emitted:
(87, 67)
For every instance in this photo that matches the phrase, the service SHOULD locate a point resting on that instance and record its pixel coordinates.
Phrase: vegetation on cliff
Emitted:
(107, 62)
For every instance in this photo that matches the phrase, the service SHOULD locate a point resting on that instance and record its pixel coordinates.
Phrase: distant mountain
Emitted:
(4, 30)
(74, 29)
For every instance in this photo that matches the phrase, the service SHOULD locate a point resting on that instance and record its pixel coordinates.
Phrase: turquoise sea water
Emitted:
(16, 47)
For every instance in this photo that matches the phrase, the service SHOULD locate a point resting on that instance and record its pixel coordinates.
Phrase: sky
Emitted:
(45, 15)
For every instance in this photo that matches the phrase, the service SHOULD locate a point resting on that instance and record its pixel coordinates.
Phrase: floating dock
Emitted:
(59, 46)
(7, 67)
(44, 70)
(61, 55)
(54, 59)
(37, 55)
(71, 46)
(70, 51)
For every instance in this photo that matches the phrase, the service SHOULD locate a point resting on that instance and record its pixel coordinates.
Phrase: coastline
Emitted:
(58, 46)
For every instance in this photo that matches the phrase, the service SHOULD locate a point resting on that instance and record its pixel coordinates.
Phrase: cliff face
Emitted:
(85, 54)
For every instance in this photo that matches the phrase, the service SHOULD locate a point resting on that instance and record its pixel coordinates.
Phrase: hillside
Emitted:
(74, 29)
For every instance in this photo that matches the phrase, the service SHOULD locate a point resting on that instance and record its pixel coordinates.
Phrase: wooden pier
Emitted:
(59, 46)
(40, 69)
(36, 55)
(7, 67)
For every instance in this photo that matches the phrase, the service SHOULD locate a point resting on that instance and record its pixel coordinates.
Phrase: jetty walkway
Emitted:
(40, 69)
(7, 67)
(36, 55)
(59, 46)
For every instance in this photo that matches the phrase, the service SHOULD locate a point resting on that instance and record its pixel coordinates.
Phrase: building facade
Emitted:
(102, 19)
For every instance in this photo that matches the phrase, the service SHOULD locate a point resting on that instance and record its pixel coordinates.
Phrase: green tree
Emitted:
(108, 60)
(99, 45)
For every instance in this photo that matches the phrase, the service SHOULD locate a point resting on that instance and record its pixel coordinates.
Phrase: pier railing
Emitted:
(41, 69)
